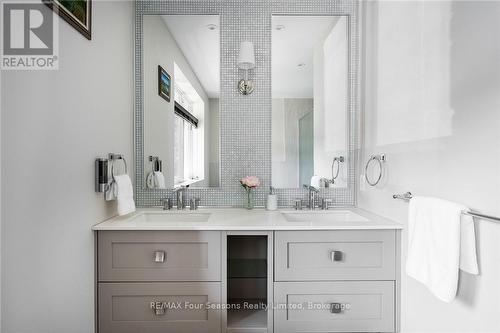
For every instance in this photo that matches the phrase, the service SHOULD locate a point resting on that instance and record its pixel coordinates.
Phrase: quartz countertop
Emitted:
(242, 219)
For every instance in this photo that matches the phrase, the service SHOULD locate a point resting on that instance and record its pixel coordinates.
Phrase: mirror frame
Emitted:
(236, 111)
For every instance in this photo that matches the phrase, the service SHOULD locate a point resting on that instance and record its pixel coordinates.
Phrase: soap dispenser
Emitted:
(272, 199)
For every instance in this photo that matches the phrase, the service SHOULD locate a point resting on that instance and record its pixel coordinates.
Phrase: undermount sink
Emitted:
(322, 216)
(160, 217)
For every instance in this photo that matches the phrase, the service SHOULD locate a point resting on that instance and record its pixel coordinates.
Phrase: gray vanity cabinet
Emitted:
(339, 306)
(335, 255)
(319, 281)
(158, 281)
(336, 281)
(159, 256)
(158, 307)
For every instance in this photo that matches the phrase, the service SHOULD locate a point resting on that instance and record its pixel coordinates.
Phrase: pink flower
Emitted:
(250, 182)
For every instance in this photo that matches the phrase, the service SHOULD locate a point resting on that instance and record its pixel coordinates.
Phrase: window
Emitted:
(188, 132)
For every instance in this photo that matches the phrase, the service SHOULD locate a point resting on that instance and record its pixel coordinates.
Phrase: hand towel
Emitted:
(150, 180)
(124, 195)
(111, 192)
(316, 181)
(159, 179)
(440, 242)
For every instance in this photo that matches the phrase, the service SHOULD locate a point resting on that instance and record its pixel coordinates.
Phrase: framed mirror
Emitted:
(310, 94)
(181, 88)
(239, 132)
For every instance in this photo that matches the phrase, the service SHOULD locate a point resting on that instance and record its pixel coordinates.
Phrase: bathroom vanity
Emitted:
(239, 271)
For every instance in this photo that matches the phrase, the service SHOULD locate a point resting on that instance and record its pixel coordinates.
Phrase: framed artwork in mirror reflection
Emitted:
(164, 84)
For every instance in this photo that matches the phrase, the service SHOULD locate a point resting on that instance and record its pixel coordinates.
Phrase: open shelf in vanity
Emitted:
(248, 277)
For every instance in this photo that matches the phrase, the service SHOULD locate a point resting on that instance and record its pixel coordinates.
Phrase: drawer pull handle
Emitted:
(158, 308)
(336, 308)
(336, 255)
(159, 256)
(339, 307)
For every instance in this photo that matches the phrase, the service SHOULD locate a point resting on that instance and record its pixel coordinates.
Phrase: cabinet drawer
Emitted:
(335, 255)
(158, 307)
(137, 256)
(355, 306)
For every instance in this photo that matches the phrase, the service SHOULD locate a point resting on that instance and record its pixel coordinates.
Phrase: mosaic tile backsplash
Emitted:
(245, 121)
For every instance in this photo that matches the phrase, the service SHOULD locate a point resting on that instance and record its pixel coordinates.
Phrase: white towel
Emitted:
(440, 242)
(124, 194)
(150, 180)
(316, 181)
(111, 192)
(159, 179)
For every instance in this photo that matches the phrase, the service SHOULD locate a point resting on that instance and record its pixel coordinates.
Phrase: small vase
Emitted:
(249, 204)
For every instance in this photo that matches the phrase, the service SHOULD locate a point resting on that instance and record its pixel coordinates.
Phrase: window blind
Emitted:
(185, 114)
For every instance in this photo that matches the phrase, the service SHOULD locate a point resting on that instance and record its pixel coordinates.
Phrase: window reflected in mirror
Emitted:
(310, 101)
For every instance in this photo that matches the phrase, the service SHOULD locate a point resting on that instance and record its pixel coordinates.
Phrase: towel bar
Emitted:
(407, 197)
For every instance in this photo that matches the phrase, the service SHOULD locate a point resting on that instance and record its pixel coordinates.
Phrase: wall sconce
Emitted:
(246, 61)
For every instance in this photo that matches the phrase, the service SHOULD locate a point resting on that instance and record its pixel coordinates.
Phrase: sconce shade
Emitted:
(246, 59)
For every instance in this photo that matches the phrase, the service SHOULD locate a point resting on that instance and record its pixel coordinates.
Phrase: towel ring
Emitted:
(113, 158)
(380, 159)
(337, 160)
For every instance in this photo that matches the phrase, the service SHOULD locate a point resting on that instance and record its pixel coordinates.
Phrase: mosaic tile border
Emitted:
(239, 20)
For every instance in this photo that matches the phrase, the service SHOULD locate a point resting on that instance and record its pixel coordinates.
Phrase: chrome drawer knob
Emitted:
(339, 307)
(336, 255)
(159, 256)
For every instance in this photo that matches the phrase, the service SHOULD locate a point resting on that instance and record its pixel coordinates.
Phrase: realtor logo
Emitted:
(29, 37)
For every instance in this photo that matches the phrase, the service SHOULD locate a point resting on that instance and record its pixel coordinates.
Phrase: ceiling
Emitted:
(291, 46)
(294, 45)
(200, 46)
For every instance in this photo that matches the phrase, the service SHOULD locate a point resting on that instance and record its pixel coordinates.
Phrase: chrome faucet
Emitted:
(325, 203)
(180, 193)
(167, 204)
(311, 198)
(194, 203)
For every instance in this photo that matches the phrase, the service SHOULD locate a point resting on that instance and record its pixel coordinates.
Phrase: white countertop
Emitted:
(242, 219)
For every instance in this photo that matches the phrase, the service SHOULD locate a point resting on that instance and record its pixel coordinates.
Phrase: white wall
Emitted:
(158, 113)
(335, 65)
(54, 123)
(160, 48)
(433, 105)
(330, 100)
